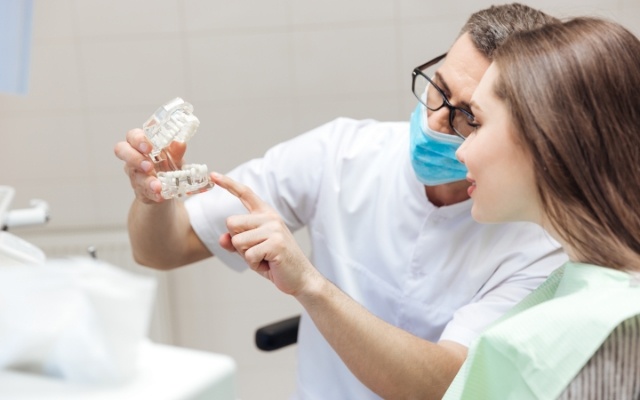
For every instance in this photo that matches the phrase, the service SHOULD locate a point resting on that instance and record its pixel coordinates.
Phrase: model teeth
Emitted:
(172, 122)
(193, 178)
(175, 122)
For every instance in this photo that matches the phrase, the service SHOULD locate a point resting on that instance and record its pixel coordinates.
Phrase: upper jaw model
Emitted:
(175, 121)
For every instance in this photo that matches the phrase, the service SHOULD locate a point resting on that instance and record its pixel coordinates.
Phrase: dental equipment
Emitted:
(175, 121)
(14, 250)
(37, 214)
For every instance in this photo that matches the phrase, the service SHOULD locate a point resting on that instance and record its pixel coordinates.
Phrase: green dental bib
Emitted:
(536, 349)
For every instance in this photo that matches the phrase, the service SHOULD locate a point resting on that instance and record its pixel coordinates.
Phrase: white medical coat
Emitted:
(431, 271)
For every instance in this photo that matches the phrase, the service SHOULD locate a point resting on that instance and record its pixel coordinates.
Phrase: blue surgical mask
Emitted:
(433, 154)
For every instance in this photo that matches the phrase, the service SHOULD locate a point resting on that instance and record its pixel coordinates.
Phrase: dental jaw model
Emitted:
(175, 122)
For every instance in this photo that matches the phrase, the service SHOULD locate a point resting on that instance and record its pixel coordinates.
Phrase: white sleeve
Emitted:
(528, 255)
(288, 177)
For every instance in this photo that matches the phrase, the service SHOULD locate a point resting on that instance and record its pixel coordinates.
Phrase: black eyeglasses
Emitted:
(421, 85)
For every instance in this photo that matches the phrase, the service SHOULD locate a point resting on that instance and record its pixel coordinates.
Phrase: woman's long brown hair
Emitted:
(573, 90)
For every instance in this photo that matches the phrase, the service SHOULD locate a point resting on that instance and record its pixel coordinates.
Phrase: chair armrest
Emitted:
(277, 335)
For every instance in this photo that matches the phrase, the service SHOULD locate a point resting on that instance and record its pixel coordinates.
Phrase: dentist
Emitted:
(404, 279)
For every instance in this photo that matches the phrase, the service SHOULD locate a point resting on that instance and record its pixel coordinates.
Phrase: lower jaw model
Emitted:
(192, 178)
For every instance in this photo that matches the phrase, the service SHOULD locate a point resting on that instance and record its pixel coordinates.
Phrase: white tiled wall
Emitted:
(257, 72)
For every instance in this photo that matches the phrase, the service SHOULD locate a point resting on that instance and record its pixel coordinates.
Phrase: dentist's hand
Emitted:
(265, 242)
(140, 168)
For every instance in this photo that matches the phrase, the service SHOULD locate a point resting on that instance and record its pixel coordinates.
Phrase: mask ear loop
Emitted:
(175, 121)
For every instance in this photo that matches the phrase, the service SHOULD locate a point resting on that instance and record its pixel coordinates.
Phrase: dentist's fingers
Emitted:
(244, 222)
(250, 200)
(134, 152)
(259, 228)
(225, 242)
(147, 188)
(177, 150)
(138, 140)
(138, 166)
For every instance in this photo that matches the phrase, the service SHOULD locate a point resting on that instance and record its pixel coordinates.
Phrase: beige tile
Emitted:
(217, 15)
(53, 20)
(44, 147)
(313, 111)
(256, 381)
(233, 132)
(345, 61)
(105, 128)
(629, 16)
(121, 73)
(126, 18)
(240, 66)
(310, 12)
(113, 197)
(571, 8)
(430, 12)
(54, 81)
(420, 42)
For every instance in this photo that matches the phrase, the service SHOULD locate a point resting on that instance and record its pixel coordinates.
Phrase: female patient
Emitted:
(557, 143)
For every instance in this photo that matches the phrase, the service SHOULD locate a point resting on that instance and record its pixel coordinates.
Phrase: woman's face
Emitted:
(500, 171)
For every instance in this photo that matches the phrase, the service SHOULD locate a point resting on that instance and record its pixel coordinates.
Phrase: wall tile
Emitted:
(567, 9)
(133, 72)
(105, 128)
(310, 12)
(126, 18)
(420, 42)
(430, 11)
(206, 15)
(280, 369)
(54, 81)
(345, 61)
(242, 66)
(53, 20)
(629, 17)
(236, 131)
(313, 111)
(112, 199)
(43, 147)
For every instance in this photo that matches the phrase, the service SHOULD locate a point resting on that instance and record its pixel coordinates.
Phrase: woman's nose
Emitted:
(460, 153)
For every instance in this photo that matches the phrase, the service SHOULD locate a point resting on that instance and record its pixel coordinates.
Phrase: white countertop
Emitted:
(165, 373)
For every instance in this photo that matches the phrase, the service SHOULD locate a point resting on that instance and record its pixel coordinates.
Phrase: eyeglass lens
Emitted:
(435, 100)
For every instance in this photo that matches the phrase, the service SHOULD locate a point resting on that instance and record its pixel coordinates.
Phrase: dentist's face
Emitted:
(501, 172)
(458, 77)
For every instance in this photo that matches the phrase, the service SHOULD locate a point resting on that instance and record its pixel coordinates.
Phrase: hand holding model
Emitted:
(153, 155)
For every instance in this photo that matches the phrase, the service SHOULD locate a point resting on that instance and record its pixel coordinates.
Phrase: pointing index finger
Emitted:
(249, 199)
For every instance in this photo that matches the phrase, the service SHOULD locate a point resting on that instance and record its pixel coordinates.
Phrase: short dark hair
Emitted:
(489, 28)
